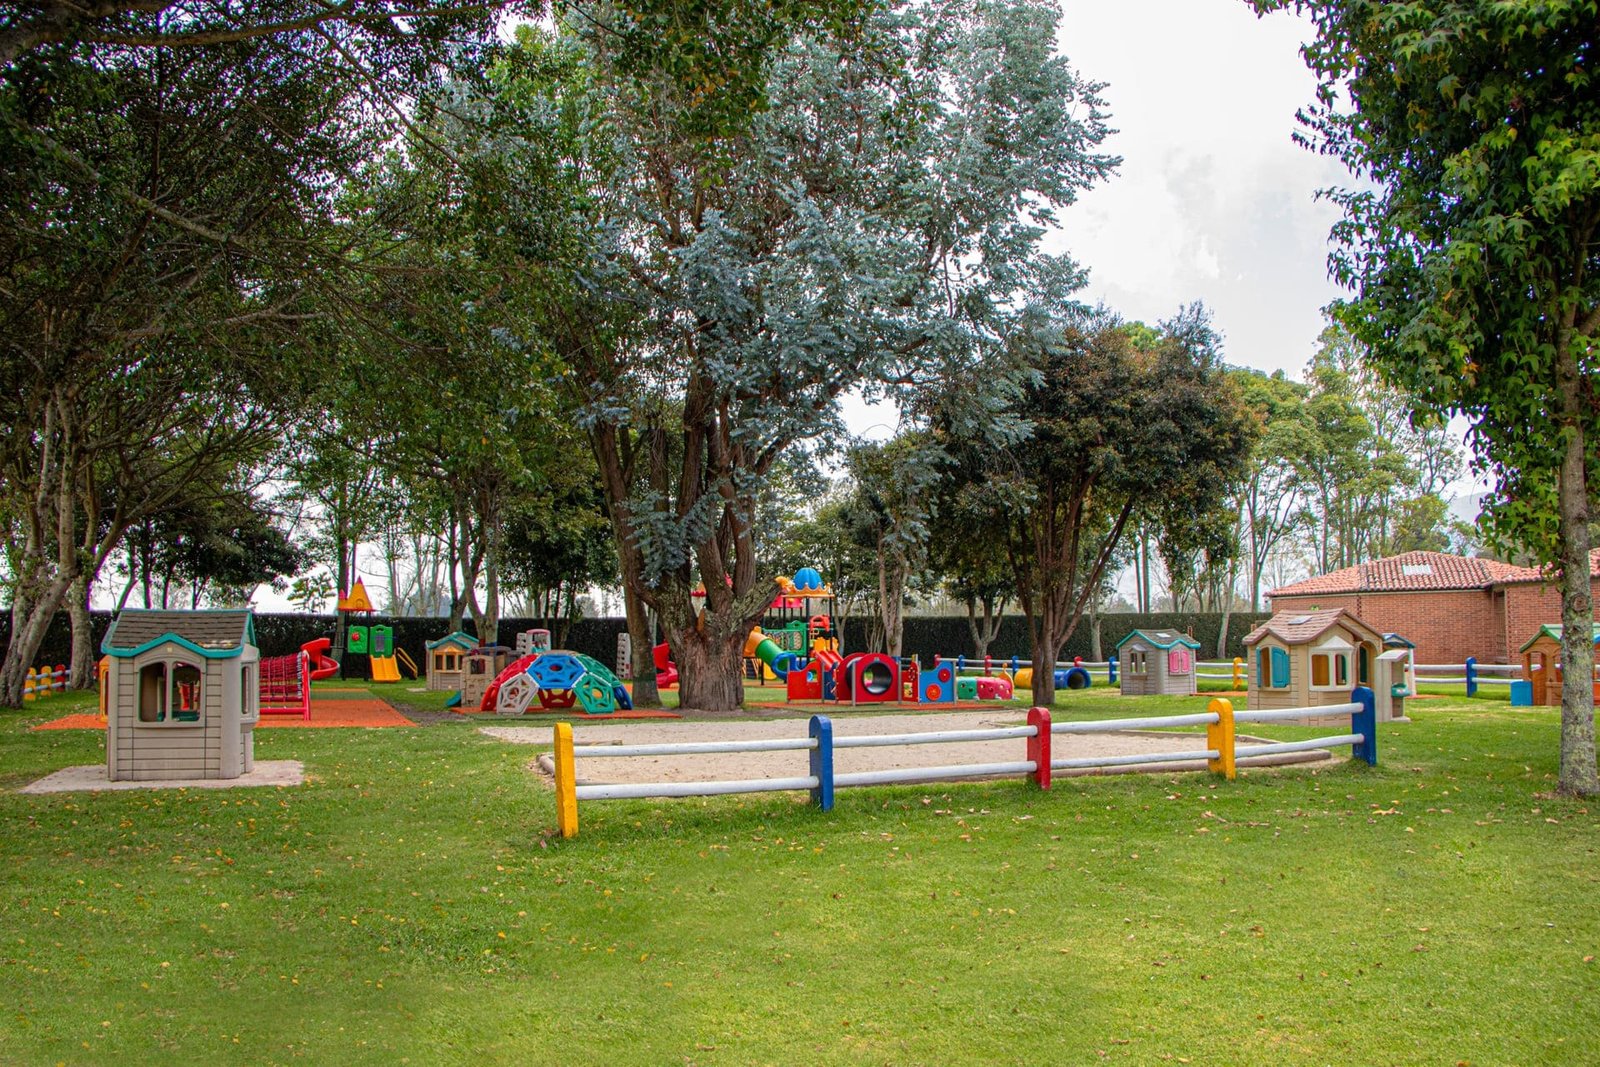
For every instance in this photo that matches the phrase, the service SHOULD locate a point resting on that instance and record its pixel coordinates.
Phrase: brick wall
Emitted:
(1530, 605)
(1447, 626)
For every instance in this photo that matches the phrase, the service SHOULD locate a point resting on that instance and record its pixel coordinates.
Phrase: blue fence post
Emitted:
(1365, 723)
(1111, 671)
(1472, 676)
(1015, 663)
(822, 761)
(961, 662)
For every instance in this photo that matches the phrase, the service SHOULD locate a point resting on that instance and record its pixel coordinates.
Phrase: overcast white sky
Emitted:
(1213, 201)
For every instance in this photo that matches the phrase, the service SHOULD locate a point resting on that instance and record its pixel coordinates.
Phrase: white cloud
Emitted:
(1214, 201)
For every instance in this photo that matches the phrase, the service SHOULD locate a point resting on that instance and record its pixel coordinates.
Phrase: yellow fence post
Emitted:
(1238, 674)
(1219, 736)
(566, 782)
(30, 687)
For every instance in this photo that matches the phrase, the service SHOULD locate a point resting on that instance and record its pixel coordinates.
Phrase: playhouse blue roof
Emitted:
(465, 640)
(1164, 639)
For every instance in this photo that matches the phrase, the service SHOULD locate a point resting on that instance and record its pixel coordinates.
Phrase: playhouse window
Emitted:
(1330, 670)
(1138, 663)
(1178, 661)
(170, 692)
(1272, 668)
(250, 693)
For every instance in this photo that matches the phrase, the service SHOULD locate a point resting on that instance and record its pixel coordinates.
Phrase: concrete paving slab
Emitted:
(93, 778)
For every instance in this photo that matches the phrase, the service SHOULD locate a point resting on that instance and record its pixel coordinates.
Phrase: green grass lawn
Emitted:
(410, 904)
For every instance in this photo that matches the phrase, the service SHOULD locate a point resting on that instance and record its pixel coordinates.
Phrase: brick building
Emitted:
(1450, 607)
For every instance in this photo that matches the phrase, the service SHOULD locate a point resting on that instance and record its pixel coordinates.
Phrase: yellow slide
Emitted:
(384, 669)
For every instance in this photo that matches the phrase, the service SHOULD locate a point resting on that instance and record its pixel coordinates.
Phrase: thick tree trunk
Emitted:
(489, 623)
(83, 657)
(709, 674)
(1577, 775)
(30, 619)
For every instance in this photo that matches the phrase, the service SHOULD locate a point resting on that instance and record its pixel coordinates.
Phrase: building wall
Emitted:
(1529, 605)
(1447, 626)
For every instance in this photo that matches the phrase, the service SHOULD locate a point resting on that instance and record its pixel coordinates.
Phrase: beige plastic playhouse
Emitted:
(1157, 663)
(447, 658)
(183, 695)
(1308, 658)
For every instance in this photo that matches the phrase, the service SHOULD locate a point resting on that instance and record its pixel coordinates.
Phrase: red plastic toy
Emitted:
(322, 665)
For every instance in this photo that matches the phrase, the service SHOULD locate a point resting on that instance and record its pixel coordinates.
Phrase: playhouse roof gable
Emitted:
(1303, 627)
(1162, 639)
(212, 634)
(1553, 630)
(459, 639)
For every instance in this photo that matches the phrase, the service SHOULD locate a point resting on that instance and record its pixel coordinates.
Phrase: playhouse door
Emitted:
(1536, 677)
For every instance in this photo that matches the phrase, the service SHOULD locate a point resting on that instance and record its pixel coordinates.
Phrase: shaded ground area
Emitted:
(736, 765)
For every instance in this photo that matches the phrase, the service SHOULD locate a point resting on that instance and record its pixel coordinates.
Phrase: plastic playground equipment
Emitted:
(557, 680)
(322, 665)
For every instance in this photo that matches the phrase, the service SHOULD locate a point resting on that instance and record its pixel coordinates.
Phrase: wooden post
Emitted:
(566, 782)
(1039, 746)
(1219, 735)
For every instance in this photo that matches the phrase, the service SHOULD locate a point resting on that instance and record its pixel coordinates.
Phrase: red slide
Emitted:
(322, 665)
(666, 670)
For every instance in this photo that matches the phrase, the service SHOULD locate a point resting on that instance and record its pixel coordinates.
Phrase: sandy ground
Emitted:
(737, 765)
(92, 778)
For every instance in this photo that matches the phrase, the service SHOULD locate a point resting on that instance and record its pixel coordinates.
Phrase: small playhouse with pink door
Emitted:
(1157, 663)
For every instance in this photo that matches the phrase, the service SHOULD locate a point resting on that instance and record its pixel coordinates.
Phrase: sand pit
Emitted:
(724, 766)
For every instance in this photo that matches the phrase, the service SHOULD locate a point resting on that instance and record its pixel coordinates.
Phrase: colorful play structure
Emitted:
(556, 678)
(42, 681)
(374, 641)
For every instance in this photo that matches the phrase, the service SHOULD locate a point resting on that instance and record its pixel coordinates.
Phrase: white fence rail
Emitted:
(1220, 753)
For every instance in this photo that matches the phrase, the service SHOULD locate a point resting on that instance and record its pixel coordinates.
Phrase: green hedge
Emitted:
(926, 637)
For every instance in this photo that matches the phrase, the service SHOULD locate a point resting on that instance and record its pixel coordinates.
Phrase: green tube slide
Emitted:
(776, 659)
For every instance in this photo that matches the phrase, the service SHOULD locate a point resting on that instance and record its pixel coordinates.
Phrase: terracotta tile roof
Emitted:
(1535, 574)
(1407, 572)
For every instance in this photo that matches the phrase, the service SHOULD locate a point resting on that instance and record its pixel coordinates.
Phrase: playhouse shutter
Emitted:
(1178, 661)
(1280, 668)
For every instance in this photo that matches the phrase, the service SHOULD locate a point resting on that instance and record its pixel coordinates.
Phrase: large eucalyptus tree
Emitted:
(874, 227)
